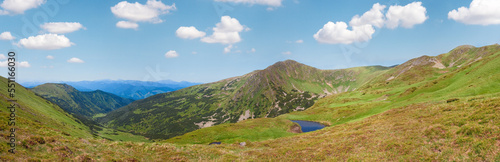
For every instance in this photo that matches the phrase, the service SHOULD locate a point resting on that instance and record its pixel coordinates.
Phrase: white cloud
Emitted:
(45, 42)
(137, 12)
(194, 52)
(286, 53)
(75, 60)
(299, 41)
(6, 36)
(251, 50)
(19, 6)
(5, 63)
(406, 16)
(362, 26)
(23, 64)
(50, 57)
(225, 32)
(480, 12)
(189, 32)
(127, 25)
(223, 37)
(62, 27)
(228, 48)
(337, 33)
(171, 54)
(274, 3)
(373, 17)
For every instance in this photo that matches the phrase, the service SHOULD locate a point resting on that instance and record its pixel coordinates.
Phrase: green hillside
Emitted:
(44, 130)
(36, 117)
(472, 79)
(281, 88)
(85, 104)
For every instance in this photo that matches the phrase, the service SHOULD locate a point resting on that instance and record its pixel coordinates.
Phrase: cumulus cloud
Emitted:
(406, 16)
(171, 54)
(337, 33)
(19, 6)
(286, 53)
(299, 41)
(137, 12)
(6, 36)
(362, 27)
(4, 62)
(373, 17)
(75, 60)
(50, 57)
(228, 48)
(127, 25)
(189, 32)
(62, 27)
(45, 42)
(274, 3)
(23, 64)
(225, 32)
(480, 12)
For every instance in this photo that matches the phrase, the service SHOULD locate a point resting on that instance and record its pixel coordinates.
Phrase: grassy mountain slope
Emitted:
(281, 88)
(477, 77)
(85, 104)
(36, 117)
(44, 130)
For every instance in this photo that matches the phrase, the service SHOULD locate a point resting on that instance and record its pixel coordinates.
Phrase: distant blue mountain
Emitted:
(132, 89)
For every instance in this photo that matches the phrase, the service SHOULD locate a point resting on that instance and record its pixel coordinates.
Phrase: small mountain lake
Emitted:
(308, 126)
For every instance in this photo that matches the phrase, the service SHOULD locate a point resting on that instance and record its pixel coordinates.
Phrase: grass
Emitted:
(466, 130)
(248, 130)
(98, 115)
(116, 135)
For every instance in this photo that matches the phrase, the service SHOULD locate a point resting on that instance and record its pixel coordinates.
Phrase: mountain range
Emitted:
(85, 104)
(430, 108)
(132, 89)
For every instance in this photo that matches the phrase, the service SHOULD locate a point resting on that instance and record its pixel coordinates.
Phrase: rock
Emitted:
(295, 128)
(243, 143)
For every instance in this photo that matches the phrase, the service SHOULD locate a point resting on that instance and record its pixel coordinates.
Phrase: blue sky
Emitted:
(93, 40)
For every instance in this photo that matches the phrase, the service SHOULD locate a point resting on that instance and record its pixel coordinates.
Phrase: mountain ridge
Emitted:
(85, 104)
(133, 89)
(283, 87)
